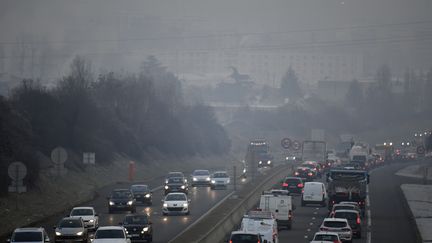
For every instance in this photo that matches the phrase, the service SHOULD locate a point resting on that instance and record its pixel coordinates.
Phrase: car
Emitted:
(219, 179)
(122, 200)
(70, 229)
(353, 217)
(200, 177)
(142, 193)
(313, 165)
(314, 193)
(263, 222)
(176, 184)
(245, 237)
(111, 234)
(138, 227)
(337, 225)
(34, 235)
(88, 214)
(293, 184)
(305, 173)
(326, 237)
(176, 174)
(340, 206)
(175, 203)
(356, 205)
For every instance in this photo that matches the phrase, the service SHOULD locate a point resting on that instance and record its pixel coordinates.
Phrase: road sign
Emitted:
(89, 158)
(421, 150)
(59, 155)
(296, 145)
(17, 171)
(286, 143)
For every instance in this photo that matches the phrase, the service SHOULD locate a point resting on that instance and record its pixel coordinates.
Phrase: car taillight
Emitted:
(296, 173)
(309, 174)
(290, 214)
(232, 242)
(285, 184)
(358, 220)
(314, 169)
(300, 185)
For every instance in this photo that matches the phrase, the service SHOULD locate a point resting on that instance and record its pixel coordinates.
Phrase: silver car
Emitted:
(219, 179)
(70, 229)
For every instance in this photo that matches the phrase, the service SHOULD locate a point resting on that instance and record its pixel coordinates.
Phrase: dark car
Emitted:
(122, 200)
(138, 227)
(176, 184)
(305, 173)
(70, 230)
(293, 184)
(142, 193)
(175, 174)
(353, 217)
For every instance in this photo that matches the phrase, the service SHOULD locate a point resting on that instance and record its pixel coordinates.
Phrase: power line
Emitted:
(215, 35)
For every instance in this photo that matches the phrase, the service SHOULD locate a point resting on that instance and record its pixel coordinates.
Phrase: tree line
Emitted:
(113, 113)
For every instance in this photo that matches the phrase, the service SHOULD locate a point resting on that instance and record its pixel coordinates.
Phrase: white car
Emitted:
(88, 214)
(326, 237)
(200, 177)
(219, 179)
(175, 203)
(29, 235)
(111, 234)
(339, 226)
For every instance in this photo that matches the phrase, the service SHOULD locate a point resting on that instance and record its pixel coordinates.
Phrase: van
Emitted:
(245, 237)
(280, 204)
(262, 222)
(314, 193)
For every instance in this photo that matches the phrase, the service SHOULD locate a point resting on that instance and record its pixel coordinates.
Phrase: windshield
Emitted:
(244, 238)
(346, 215)
(322, 237)
(110, 234)
(139, 188)
(27, 236)
(343, 207)
(335, 224)
(175, 180)
(220, 175)
(175, 197)
(81, 212)
(70, 223)
(175, 174)
(121, 194)
(201, 172)
(135, 219)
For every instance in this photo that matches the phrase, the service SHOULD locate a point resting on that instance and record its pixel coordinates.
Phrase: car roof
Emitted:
(201, 170)
(139, 185)
(177, 193)
(326, 233)
(313, 183)
(29, 229)
(220, 171)
(244, 232)
(110, 228)
(347, 211)
(335, 220)
(344, 205)
(71, 218)
(293, 177)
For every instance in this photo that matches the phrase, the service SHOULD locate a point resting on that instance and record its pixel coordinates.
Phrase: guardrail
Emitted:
(227, 215)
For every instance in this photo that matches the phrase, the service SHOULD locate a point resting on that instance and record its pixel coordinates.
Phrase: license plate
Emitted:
(135, 235)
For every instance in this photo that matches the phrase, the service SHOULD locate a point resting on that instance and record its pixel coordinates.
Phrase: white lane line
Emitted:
(308, 230)
(315, 212)
(202, 216)
(313, 218)
(369, 217)
(311, 223)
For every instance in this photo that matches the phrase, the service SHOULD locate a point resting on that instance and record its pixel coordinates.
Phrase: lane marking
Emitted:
(311, 223)
(313, 218)
(308, 230)
(202, 216)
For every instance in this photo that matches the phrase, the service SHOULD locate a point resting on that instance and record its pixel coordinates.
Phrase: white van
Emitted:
(314, 193)
(280, 204)
(262, 222)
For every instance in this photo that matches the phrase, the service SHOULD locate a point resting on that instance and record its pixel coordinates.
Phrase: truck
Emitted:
(360, 154)
(313, 150)
(262, 222)
(280, 204)
(347, 185)
(258, 153)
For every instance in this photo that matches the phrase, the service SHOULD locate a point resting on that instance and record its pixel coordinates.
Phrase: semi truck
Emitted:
(347, 185)
(258, 153)
(314, 151)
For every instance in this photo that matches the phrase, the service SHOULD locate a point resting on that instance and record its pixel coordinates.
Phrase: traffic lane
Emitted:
(391, 220)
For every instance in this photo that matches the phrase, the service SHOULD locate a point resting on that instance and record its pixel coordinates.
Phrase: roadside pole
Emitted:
(235, 177)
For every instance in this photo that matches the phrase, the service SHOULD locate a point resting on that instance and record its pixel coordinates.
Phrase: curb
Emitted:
(418, 238)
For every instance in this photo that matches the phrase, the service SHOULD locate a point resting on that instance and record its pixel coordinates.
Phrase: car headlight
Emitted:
(260, 162)
(165, 205)
(146, 229)
(244, 170)
(228, 181)
(269, 162)
(213, 181)
(208, 179)
(91, 220)
(130, 202)
(58, 233)
(286, 158)
(194, 179)
(185, 180)
(166, 187)
(183, 187)
(79, 233)
(111, 203)
(147, 195)
(185, 205)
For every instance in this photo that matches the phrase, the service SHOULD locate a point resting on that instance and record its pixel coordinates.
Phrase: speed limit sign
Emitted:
(286, 143)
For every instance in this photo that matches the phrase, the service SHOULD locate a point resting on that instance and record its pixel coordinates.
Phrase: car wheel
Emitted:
(133, 210)
(188, 212)
(164, 214)
(110, 210)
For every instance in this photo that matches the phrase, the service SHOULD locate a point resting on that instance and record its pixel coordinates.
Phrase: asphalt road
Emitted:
(164, 227)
